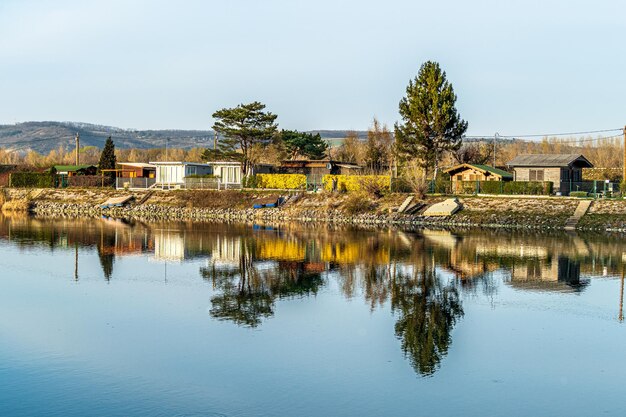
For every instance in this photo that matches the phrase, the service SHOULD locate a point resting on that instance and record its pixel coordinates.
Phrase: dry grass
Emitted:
(358, 203)
(16, 206)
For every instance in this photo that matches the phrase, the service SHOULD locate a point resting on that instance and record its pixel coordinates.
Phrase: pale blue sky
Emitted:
(517, 67)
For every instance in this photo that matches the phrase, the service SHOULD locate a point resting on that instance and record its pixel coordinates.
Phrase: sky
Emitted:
(517, 67)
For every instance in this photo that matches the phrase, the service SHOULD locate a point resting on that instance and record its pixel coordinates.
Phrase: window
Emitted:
(535, 175)
(459, 177)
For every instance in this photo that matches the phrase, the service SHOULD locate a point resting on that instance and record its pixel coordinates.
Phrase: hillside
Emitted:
(45, 136)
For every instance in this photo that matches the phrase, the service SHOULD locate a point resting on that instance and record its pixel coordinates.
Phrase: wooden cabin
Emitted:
(476, 172)
(136, 170)
(560, 169)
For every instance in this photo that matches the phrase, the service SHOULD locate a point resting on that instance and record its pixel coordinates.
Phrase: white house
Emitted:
(173, 174)
(229, 173)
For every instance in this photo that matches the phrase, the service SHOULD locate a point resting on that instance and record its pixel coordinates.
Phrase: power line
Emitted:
(547, 134)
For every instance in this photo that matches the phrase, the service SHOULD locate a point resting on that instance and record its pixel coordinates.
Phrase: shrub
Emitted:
(415, 178)
(356, 182)
(250, 181)
(578, 194)
(528, 187)
(281, 181)
(357, 203)
(372, 186)
(32, 180)
(90, 181)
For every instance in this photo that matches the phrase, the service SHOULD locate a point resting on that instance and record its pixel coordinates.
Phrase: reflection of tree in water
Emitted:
(248, 291)
(106, 255)
(428, 311)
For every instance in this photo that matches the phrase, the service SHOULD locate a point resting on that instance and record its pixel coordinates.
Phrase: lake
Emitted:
(113, 318)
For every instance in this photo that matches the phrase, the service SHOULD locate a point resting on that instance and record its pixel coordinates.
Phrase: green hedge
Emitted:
(578, 194)
(32, 180)
(499, 187)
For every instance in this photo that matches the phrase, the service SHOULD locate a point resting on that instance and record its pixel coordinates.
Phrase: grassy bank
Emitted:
(494, 212)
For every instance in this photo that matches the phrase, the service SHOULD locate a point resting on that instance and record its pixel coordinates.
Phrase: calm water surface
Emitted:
(103, 317)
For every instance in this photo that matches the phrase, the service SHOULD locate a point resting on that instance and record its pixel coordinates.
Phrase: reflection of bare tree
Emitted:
(428, 310)
(247, 292)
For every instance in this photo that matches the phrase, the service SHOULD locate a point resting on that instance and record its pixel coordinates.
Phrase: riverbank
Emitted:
(485, 212)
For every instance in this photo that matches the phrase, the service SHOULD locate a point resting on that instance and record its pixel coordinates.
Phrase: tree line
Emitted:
(429, 136)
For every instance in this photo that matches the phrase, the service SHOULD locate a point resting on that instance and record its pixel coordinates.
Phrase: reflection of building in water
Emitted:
(227, 250)
(555, 274)
(169, 245)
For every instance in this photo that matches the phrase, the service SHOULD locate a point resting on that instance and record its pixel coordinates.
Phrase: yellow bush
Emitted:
(355, 182)
(281, 181)
(282, 250)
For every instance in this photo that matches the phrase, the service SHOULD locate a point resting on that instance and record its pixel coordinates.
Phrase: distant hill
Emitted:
(45, 136)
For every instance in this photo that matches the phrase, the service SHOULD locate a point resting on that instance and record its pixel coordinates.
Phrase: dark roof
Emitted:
(483, 168)
(549, 160)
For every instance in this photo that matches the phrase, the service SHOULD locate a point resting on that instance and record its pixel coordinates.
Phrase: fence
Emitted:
(85, 181)
(134, 183)
(594, 188)
(202, 183)
(210, 184)
(491, 187)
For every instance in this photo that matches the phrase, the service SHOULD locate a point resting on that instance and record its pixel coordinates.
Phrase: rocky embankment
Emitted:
(235, 206)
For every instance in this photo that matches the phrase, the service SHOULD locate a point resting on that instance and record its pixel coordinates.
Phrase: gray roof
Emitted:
(549, 160)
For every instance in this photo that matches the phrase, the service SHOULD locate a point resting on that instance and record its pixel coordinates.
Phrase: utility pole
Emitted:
(496, 136)
(624, 158)
(77, 139)
(215, 141)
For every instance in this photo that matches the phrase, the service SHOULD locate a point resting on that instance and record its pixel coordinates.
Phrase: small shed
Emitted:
(477, 172)
(136, 170)
(560, 169)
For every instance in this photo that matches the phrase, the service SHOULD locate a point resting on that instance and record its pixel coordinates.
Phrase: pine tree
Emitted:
(304, 145)
(241, 128)
(107, 157)
(431, 124)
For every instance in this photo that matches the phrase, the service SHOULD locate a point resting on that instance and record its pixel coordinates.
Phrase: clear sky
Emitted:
(517, 66)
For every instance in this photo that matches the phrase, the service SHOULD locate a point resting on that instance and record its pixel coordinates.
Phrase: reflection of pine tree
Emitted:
(105, 254)
(428, 312)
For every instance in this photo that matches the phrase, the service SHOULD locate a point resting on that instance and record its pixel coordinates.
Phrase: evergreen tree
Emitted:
(107, 157)
(241, 128)
(431, 124)
(302, 144)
